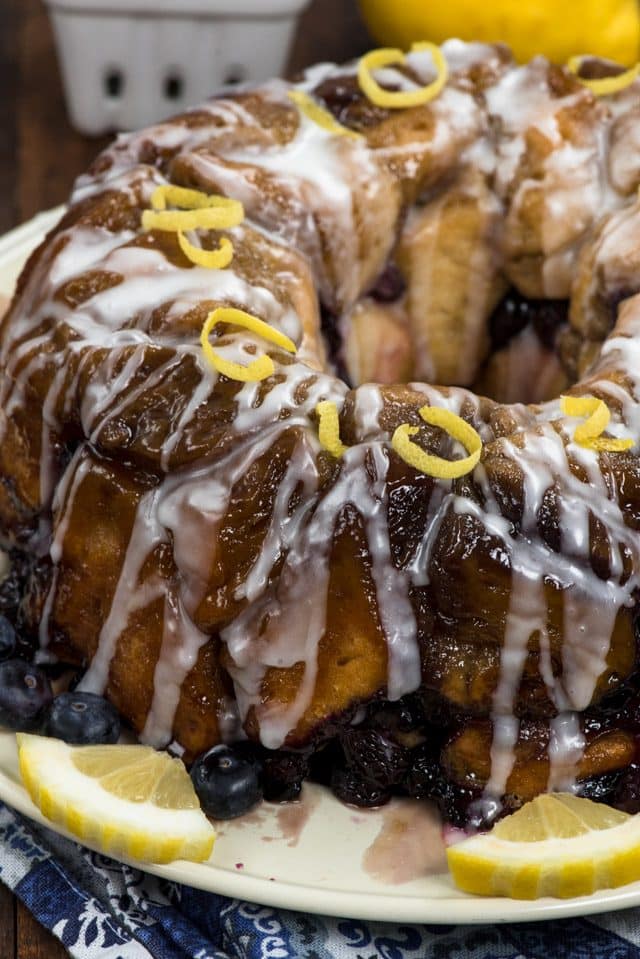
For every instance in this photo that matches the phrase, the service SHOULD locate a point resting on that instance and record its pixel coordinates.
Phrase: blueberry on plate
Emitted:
(25, 693)
(7, 638)
(226, 782)
(82, 719)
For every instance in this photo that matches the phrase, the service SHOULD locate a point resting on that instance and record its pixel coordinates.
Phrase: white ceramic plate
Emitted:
(318, 855)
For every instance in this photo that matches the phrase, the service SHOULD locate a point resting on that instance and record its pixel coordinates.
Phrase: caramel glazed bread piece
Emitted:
(194, 546)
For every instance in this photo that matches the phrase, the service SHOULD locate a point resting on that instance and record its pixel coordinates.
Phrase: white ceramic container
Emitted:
(128, 63)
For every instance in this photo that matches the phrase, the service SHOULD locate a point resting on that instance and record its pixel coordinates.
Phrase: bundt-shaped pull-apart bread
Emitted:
(229, 527)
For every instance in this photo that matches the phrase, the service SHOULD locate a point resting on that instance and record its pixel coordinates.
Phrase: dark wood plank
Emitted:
(34, 942)
(329, 30)
(7, 924)
(9, 84)
(50, 153)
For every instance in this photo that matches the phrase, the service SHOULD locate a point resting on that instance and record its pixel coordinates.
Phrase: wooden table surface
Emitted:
(40, 155)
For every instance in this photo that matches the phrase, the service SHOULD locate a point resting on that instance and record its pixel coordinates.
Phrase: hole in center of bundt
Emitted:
(522, 352)
(527, 360)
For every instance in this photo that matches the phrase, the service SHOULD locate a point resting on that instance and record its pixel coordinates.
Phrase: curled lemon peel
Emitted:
(318, 115)
(398, 99)
(589, 433)
(210, 218)
(436, 466)
(188, 199)
(329, 428)
(212, 259)
(199, 211)
(607, 445)
(606, 85)
(260, 368)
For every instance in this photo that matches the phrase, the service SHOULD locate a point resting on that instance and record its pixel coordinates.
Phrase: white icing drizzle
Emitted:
(566, 748)
(369, 406)
(441, 500)
(526, 610)
(50, 426)
(196, 400)
(392, 590)
(84, 247)
(181, 643)
(287, 623)
(64, 500)
(590, 604)
(131, 595)
(125, 153)
(285, 526)
(282, 398)
(318, 174)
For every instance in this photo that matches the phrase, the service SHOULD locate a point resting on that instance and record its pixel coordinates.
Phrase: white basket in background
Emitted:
(128, 63)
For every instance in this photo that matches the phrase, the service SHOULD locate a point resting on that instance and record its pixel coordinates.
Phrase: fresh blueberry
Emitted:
(7, 638)
(25, 693)
(82, 719)
(227, 783)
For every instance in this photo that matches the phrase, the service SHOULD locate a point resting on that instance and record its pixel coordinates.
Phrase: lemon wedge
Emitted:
(129, 801)
(556, 845)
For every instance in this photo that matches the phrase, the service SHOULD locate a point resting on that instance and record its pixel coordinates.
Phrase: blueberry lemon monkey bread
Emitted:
(235, 505)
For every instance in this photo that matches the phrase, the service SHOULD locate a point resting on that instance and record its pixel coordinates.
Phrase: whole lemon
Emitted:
(606, 28)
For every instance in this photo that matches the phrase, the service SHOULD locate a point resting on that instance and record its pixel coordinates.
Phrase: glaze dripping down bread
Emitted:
(187, 539)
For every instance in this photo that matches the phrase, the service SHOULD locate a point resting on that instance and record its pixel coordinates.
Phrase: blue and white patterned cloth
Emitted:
(101, 909)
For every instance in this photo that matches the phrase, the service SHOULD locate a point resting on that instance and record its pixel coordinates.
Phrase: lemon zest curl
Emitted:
(170, 221)
(187, 199)
(199, 211)
(605, 86)
(329, 428)
(436, 466)
(399, 99)
(216, 259)
(260, 368)
(589, 433)
(318, 115)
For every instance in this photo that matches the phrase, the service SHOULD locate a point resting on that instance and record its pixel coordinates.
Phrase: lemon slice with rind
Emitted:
(129, 801)
(556, 845)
